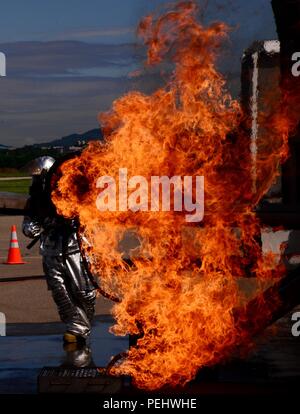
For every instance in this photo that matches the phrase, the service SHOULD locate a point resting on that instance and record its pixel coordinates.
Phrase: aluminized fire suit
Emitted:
(69, 281)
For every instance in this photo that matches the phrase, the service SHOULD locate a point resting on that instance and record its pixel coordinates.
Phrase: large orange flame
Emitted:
(180, 290)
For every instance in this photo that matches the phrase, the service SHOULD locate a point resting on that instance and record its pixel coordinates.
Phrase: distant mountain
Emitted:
(4, 147)
(70, 140)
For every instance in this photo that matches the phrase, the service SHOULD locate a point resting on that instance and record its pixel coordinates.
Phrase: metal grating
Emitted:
(65, 380)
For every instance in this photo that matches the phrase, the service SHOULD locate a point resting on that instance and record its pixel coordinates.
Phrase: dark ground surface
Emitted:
(273, 368)
(27, 349)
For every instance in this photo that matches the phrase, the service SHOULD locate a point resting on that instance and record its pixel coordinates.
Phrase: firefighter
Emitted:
(72, 287)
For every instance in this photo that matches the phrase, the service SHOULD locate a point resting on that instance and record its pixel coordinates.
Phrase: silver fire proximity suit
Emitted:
(68, 279)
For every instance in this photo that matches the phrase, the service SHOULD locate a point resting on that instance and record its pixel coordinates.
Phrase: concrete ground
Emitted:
(24, 297)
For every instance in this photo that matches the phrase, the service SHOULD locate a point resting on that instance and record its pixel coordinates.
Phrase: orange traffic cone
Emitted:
(14, 254)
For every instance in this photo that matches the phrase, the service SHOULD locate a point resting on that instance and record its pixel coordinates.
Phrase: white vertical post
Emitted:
(254, 116)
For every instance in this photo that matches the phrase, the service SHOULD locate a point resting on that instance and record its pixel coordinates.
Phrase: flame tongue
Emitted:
(181, 290)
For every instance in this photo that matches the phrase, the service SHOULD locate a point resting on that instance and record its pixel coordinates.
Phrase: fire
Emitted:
(180, 290)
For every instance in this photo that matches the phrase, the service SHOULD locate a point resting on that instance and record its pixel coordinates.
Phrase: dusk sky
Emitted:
(67, 61)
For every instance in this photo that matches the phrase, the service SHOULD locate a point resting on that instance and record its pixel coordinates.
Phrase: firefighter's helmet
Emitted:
(40, 165)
